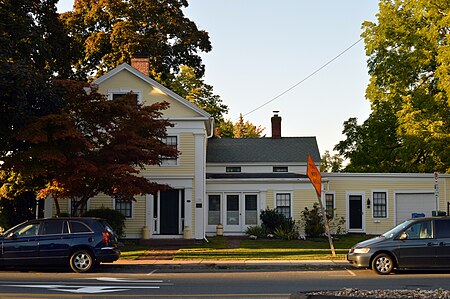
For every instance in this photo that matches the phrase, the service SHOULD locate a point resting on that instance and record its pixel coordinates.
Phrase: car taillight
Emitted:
(106, 237)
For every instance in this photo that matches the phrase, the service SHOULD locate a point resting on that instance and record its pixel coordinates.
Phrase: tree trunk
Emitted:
(58, 209)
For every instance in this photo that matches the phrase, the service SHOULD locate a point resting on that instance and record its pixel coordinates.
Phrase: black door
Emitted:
(169, 212)
(355, 206)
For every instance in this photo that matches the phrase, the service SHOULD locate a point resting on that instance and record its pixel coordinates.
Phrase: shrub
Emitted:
(288, 231)
(312, 221)
(258, 231)
(115, 218)
(271, 220)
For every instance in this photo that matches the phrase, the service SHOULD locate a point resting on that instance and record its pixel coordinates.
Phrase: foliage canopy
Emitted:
(409, 90)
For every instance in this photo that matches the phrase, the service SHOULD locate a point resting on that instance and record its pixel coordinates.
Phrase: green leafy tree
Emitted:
(331, 163)
(239, 129)
(409, 63)
(94, 145)
(188, 85)
(107, 33)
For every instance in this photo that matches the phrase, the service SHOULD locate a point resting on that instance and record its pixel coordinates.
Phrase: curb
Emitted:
(224, 266)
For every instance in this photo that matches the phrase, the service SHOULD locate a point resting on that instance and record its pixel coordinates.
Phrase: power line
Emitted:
(306, 78)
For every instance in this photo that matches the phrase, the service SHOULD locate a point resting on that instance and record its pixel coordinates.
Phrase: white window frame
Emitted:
(138, 92)
(291, 201)
(176, 160)
(334, 202)
(372, 203)
(132, 208)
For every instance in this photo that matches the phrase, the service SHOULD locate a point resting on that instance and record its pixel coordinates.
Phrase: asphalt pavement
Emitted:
(233, 264)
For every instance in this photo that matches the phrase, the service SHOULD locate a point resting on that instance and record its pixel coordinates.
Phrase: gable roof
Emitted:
(256, 150)
(170, 93)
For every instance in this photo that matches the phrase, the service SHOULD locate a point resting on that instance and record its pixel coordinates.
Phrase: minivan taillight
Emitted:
(106, 237)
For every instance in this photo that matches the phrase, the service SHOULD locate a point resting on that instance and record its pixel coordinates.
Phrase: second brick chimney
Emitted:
(141, 64)
(276, 125)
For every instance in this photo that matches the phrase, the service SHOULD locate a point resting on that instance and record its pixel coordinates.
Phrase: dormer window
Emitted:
(280, 169)
(233, 169)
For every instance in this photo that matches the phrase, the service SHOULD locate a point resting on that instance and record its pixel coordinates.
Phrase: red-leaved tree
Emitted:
(93, 146)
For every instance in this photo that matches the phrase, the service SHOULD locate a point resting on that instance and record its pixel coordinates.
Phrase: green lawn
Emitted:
(218, 249)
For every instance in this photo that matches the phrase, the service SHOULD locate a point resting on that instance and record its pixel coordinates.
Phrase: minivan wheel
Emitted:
(383, 264)
(81, 261)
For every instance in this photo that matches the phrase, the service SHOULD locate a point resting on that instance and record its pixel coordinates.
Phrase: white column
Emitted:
(200, 185)
(48, 207)
(147, 229)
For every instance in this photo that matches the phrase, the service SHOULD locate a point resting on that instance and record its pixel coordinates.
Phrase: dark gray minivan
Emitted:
(415, 243)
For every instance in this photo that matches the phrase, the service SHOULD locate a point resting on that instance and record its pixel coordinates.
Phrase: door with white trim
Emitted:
(355, 212)
(233, 214)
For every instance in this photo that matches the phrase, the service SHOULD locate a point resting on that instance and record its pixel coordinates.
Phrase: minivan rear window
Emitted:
(79, 227)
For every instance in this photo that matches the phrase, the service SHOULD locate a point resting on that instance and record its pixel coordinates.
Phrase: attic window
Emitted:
(233, 169)
(116, 93)
(280, 169)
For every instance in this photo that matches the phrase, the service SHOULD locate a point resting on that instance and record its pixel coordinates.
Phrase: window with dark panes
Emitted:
(329, 204)
(118, 95)
(251, 209)
(379, 205)
(213, 209)
(79, 227)
(280, 169)
(172, 141)
(283, 203)
(125, 207)
(233, 169)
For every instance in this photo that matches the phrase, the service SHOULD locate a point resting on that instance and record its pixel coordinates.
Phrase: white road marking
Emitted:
(83, 289)
(113, 279)
(344, 275)
(152, 272)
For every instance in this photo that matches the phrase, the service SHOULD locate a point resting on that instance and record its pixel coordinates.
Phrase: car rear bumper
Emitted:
(360, 260)
(108, 254)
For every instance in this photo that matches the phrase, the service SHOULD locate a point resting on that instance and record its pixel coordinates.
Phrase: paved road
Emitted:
(214, 284)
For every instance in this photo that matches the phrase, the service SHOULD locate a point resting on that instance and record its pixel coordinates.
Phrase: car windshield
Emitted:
(391, 233)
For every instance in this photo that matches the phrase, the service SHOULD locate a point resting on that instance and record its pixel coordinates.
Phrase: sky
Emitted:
(262, 48)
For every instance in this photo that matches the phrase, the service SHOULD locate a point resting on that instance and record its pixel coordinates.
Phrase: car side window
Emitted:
(442, 228)
(420, 230)
(79, 227)
(30, 229)
(54, 227)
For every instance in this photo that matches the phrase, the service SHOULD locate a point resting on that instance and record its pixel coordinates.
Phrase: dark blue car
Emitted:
(81, 243)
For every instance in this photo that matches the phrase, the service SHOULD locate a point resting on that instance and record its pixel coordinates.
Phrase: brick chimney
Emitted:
(276, 125)
(141, 64)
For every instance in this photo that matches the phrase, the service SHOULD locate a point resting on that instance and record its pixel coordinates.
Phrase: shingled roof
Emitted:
(254, 150)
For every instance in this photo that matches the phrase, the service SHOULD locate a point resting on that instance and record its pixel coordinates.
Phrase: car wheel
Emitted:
(82, 261)
(383, 264)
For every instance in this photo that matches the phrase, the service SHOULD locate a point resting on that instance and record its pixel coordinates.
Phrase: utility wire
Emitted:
(306, 78)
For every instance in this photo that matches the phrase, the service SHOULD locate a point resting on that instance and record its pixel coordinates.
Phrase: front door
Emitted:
(355, 212)
(169, 211)
(232, 213)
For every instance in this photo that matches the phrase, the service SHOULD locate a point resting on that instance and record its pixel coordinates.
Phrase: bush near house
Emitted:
(277, 225)
(274, 224)
(114, 218)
